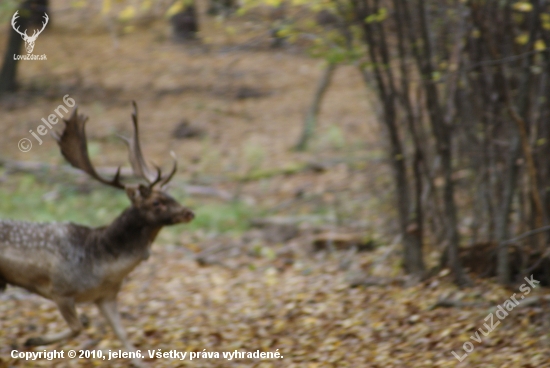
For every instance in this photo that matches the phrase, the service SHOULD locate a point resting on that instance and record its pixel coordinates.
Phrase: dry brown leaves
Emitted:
(304, 308)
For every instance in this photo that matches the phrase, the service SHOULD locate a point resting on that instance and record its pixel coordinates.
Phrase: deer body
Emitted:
(69, 263)
(70, 259)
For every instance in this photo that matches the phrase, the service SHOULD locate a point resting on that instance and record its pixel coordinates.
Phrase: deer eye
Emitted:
(156, 203)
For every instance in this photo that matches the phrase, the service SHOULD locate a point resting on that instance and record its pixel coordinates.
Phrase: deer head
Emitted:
(29, 40)
(153, 205)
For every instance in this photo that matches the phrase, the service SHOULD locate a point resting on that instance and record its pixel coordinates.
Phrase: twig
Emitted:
(449, 303)
(525, 235)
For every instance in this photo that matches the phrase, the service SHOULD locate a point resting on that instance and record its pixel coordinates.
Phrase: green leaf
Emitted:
(380, 16)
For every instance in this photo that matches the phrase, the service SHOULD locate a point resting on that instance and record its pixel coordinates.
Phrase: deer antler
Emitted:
(13, 19)
(75, 148)
(174, 168)
(24, 34)
(139, 165)
(36, 33)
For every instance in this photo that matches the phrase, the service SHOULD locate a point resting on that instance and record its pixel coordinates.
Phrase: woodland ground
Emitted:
(219, 284)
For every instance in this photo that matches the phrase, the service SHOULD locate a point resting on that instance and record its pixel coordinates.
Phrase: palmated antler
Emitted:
(139, 165)
(75, 148)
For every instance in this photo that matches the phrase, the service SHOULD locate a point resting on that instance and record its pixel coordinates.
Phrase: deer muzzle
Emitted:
(184, 216)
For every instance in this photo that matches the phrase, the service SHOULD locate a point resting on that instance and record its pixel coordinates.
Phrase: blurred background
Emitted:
(353, 166)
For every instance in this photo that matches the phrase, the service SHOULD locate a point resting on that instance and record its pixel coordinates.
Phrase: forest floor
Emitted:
(220, 284)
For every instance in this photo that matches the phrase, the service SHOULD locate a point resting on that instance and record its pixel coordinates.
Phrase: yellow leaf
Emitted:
(195, 248)
(230, 30)
(382, 14)
(106, 7)
(522, 39)
(127, 14)
(310, 321)
(523, 6)
(146, 5)
(284, 32)
(78, 4)
(273, 3)
(174, 9)
(540, 45)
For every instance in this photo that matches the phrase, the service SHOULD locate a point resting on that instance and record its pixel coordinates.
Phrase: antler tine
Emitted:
(74, 148)
(157, 179)
(13, 19)
(139, 166)
(36, 32)
(43, 25)
(174, 169)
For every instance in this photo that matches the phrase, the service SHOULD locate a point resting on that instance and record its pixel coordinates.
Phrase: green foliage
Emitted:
(177, 7)
(233, 217)
(7, 9)
(31, 200)
(330, 43)
(378, 17)
(254, 155)
(334, 137)
(334, 53)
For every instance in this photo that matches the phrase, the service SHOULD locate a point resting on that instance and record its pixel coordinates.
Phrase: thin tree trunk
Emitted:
(511, 178)
(375, 38)
(32, 12)
(8, 73)
(310, 121)
(415, 228)
(185, 24)
(442, 134)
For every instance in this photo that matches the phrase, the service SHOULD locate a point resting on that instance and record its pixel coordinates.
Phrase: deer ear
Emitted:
(137, 193)
(132, 192)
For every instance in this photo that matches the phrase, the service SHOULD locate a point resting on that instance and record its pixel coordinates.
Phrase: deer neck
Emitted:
(130, 233)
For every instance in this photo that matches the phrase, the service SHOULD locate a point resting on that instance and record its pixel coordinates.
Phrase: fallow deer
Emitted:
(69, 263)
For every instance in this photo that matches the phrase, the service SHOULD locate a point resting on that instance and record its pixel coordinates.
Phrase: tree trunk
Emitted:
(32, 12)
(442, 135)
(221, 7)
(379, 56)
(310, 121)
(185, 24)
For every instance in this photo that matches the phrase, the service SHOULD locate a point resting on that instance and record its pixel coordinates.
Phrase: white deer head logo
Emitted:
(29, 40)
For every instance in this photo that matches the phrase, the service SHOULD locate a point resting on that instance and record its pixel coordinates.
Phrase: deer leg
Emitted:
(108, 308)
(68, 311)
